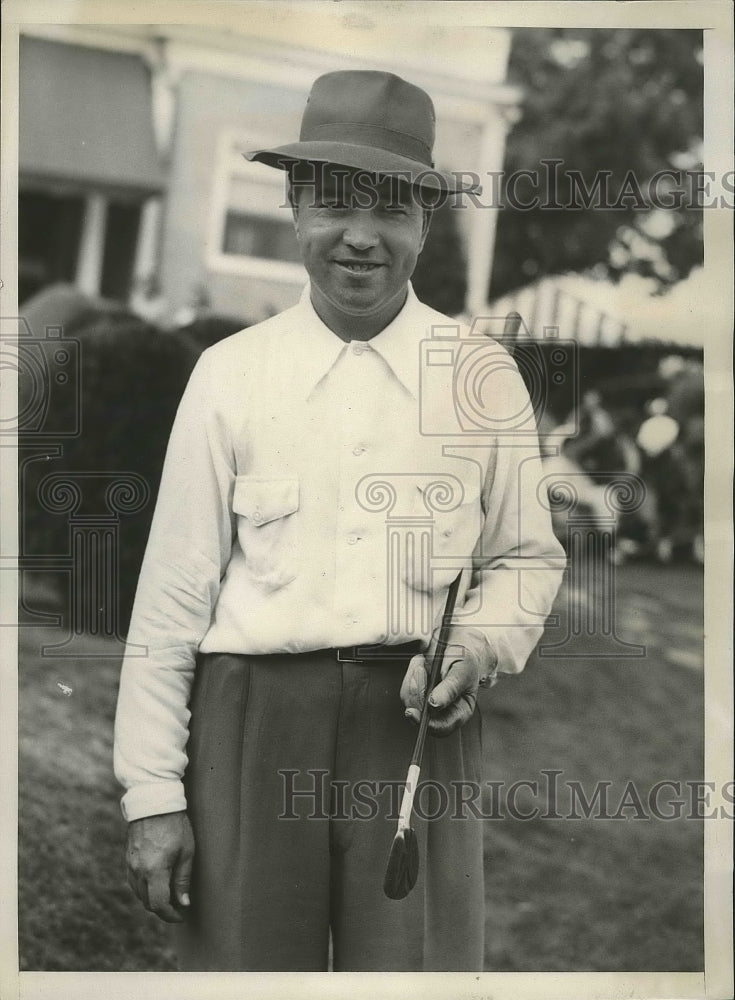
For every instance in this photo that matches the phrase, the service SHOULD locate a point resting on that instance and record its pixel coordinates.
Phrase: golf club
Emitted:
(403, 863)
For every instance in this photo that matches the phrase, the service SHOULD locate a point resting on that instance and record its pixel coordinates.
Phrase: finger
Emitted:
(159, 896)
(451, 718)
(452, 653)
(413, 688)
(460, 679)
(139, 885)
(181, 881)
(140, 888)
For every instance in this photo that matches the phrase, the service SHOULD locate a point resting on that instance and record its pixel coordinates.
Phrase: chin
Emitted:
(357, 304)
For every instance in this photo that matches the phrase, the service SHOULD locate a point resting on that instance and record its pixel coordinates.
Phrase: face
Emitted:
(360, 237)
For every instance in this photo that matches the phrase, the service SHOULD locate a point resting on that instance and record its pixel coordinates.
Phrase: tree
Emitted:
(626, 102)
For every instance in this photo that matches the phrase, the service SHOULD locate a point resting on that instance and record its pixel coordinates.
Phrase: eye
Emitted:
(332, 204)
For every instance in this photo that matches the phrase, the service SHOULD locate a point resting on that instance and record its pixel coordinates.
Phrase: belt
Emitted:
(362, 654)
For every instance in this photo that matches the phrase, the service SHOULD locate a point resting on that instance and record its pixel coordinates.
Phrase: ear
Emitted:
(428, 214)
(293, 201)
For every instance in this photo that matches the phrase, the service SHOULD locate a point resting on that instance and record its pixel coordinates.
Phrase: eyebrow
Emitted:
(389, 191)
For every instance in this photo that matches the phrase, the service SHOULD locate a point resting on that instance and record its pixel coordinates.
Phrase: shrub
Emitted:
(132, 378)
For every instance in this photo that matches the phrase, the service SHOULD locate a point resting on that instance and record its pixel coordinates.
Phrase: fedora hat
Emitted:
(371, 121)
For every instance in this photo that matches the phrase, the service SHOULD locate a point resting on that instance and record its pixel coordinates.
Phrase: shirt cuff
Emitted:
(490, 678)
(153, 799)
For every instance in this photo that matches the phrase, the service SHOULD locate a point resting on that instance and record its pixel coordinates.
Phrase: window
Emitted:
(250, 229)
(121, 240)
(49, 235)
(252, 224)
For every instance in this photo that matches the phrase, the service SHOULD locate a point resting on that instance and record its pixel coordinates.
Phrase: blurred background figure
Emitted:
(595, 446)
(561, 463)
(685, 404)
(198, 306)
(148, 301)
(663, 474)
(595, 449)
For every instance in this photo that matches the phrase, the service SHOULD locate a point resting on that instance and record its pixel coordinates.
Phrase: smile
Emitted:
(356, 267)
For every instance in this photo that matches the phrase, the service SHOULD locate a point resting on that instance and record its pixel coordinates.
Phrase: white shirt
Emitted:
(318, 493)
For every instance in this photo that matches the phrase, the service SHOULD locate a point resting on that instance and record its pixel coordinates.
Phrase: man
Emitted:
(317, 500)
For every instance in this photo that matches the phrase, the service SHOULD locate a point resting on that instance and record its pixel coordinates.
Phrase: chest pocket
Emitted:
(266, 528)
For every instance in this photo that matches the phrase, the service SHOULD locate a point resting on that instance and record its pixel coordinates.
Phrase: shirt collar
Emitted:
(398, 344)
(316, 347)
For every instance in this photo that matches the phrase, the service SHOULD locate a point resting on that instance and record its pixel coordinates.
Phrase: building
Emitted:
(130, 143)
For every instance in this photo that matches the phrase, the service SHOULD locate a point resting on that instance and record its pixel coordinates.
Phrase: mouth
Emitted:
(358, 266)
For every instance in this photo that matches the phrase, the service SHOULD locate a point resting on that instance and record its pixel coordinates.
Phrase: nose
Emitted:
(360, 231)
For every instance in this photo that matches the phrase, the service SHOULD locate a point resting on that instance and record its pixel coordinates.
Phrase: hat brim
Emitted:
(367, 158)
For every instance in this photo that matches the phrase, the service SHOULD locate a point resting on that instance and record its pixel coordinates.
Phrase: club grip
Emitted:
(441, 645)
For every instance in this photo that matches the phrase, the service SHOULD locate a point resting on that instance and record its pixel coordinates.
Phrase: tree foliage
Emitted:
(624, 101)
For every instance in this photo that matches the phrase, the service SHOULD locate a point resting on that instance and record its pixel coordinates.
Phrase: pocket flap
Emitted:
(264, 500)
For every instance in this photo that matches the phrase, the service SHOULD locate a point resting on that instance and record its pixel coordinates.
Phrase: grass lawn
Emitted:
(563, 894)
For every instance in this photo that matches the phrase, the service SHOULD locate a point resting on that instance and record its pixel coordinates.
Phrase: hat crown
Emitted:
(371, 121)
(354, 106)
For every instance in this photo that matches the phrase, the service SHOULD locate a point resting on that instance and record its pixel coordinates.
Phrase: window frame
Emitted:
(225, 167)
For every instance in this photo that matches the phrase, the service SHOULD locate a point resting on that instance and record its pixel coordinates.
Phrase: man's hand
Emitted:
(468, 662)
(159, 855)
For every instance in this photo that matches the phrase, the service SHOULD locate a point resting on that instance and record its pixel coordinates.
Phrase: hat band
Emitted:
(361, 134)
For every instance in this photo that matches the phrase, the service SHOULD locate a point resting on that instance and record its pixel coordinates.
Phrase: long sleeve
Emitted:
(517, 562)
(187, 553)
(261, 543)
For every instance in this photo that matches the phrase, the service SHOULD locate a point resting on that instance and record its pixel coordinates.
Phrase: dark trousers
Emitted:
(291, 760)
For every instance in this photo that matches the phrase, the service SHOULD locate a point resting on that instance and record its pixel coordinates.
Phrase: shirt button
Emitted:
(358, 349)
(257, 517)
(358, 449)
(353, 539)
(447, 532)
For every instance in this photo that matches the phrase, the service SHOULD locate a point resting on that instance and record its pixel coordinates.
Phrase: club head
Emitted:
(403, 865)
